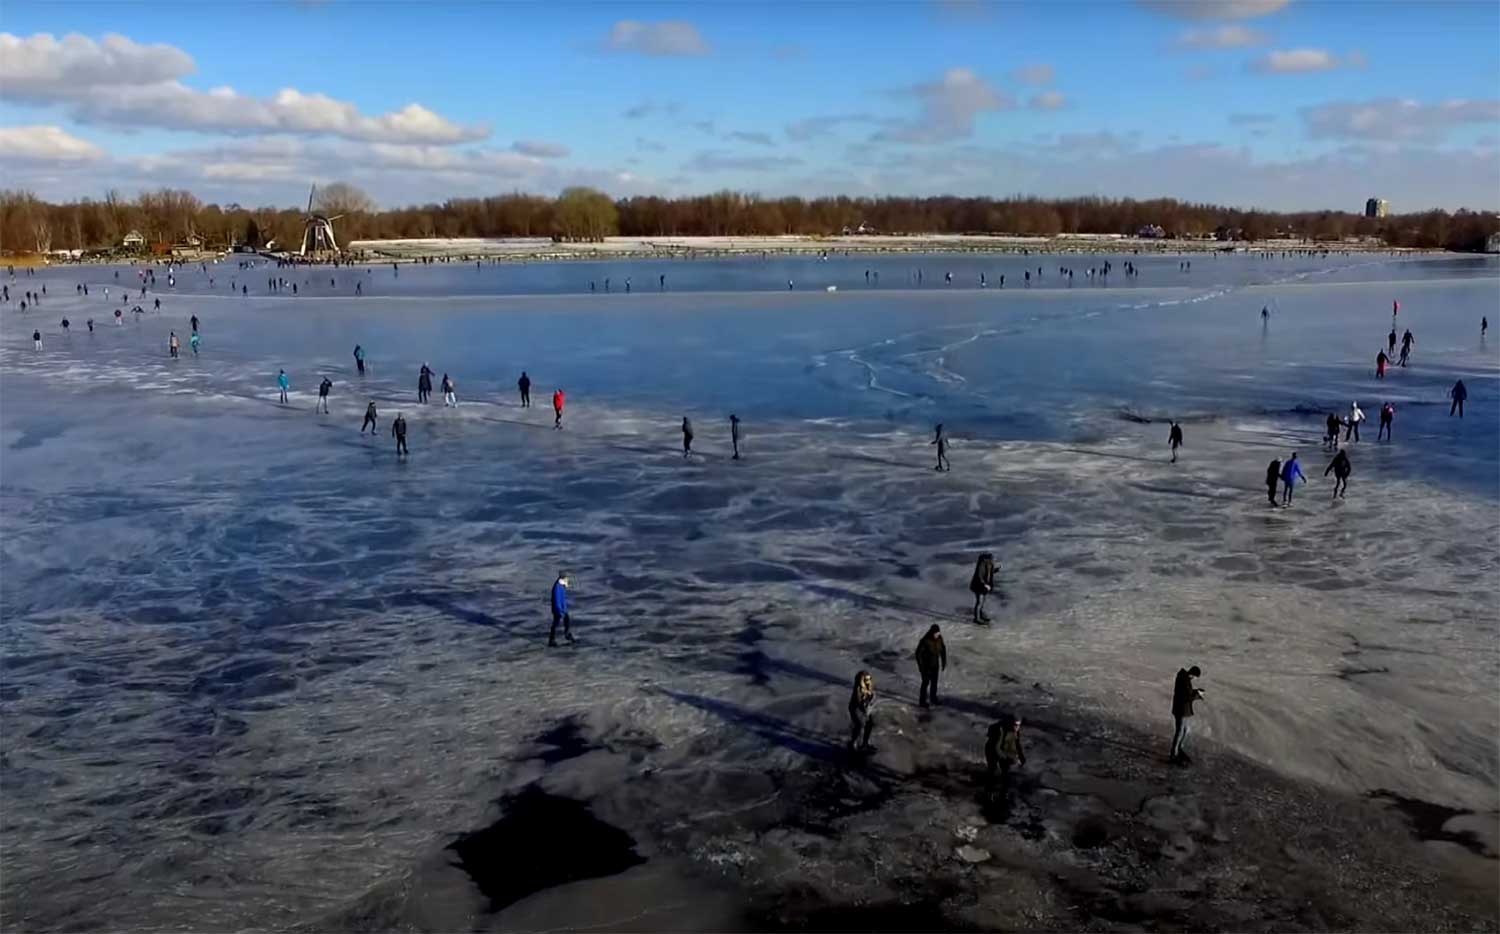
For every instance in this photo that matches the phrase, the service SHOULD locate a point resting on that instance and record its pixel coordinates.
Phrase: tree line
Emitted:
(172, 216)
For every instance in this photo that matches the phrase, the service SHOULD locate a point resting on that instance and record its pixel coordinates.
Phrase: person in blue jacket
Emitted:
(560, 610)
(285, 382)
(1291, 472)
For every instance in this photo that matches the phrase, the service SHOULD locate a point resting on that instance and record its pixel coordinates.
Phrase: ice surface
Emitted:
(255, 667)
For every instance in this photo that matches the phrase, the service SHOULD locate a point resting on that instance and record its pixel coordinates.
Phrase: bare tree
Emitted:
(342, 198)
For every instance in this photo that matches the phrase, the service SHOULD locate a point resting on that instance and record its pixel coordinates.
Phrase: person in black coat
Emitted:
(1183, 695)
(982, 584)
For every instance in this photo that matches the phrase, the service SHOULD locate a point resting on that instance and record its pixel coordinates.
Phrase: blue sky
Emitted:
(1273, 103)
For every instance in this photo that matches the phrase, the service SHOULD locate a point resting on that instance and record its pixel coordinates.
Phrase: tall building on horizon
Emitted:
(1377, 207)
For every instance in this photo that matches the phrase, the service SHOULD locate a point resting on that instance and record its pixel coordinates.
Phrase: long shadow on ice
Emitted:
(444, 605)
(869, 602)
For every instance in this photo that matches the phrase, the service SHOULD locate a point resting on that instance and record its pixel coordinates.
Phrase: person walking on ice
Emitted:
(862, 713)
(1174, 438)
(1458, 394)
(369, 421)
(560, 612)
(1291, 472)
(173, 344)
(734, 435)
(687, 438)
(1341, 469)
(323, 388)
(1183, 696)
(36, 340)
(284, 383)
(524, 384)
(982, 584)
(942, 449)
(932, 658)
(559, 398)
(448, 397)
(398, 431)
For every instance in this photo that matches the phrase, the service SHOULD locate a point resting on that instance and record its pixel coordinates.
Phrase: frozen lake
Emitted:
(256, 668)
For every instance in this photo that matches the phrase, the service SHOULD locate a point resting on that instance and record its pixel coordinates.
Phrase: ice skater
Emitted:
(524, 384)
(1387, 415)
(424, 384)
(193, 342)
(982, 584)
(560, 612)
(359, 359)
(734, 435)
(559, 399)
(942, 449)
(173, 344)
(1484, 326)
(369, 421)
(1406, 341)
(1381, 360)
(1356, 415)
(862, 713)
(448, 397)
(1458, 394)
(1291, 472)
(1390, 339)
(36, 340)
(932, 657)
(323, 388)
(284, 382)
(1174, 438)
(194, 322)
(687, 437)
(1341, 469)
(1183, 696)
(1003, 750)
(398, 431)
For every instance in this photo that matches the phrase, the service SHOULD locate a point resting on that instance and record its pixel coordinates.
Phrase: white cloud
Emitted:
(1048, 100)
(1038, 75)
(1222, 37)
(664, 38)
(1392, 118)
(43, 68)
(117, 82)
(1215, 9)
(949, 108)
(1294, 61)
(758, 139)
(713, 160)
(815, 127)
(45, 144)
(539, 149)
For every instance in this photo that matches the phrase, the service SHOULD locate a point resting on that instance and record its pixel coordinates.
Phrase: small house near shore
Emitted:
(1492, 243)
(133, 240)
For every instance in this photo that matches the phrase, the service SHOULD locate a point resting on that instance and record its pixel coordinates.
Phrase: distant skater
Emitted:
(1183, 696)
(398, 431)
(861, 713)
(1265, 314)
(448, 397)
(1331, 432)
(424, 384)
(1484, 326)
(734, 435)
(1291, 472)
(931, 657)
(359, 359)
(1458, 394)
(687, 437)
(1387, 415)
(323, 388)
(1341, 469)
(982, 584)
(194, 322)
(524, 384)
(942, 449)
(1390, 339)
(36, 340)
(285, 383)
(1381, 360)
(369, 421)
(1174, 438)
(560, 610)
(1406, 341)
(174, 346)
(193, 341)
(1356, 415)
(559, 399)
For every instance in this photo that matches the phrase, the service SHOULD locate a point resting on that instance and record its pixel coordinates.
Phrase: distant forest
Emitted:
(170, 216)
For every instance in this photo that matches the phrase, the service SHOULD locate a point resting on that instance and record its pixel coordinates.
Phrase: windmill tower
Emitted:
(317, 230)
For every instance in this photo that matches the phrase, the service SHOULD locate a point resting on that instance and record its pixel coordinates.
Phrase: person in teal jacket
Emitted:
(285, 383)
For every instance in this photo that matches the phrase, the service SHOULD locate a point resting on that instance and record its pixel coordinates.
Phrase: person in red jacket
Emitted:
(558, 398)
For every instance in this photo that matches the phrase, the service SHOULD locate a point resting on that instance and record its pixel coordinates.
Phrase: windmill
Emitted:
(317, 230)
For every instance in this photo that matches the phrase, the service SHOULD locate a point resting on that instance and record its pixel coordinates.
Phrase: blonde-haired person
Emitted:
(862, 713)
